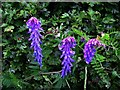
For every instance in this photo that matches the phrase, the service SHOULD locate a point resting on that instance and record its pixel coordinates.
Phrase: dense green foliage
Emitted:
(60, 20)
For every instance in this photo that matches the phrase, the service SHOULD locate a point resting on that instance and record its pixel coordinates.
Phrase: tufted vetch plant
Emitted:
(34, 26)
(66, 47)
(89, 49)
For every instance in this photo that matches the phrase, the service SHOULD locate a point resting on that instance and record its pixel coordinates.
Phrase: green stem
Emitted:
(68, 84)
(85, 81)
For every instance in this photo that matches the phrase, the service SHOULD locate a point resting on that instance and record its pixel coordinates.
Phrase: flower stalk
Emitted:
(66, 47)
(34, 26)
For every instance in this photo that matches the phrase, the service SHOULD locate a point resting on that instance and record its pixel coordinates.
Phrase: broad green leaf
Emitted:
(91, 12)
(105, 37)
(4, 25)
(114, 73)
(65, 15)
(9, 29)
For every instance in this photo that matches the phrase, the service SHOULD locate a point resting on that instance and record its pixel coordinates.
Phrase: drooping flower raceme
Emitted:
(66, 47)
(34, 26)
(89, 49)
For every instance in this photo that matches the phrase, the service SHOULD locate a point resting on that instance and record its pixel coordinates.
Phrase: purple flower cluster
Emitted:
(34, 26)
(89, 49)
(67, 52)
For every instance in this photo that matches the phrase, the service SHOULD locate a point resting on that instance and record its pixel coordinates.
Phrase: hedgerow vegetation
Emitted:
(59, 20)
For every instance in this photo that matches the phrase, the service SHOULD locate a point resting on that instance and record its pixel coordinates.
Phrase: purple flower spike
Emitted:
(34, 26)
(67, 52)
(89, 49)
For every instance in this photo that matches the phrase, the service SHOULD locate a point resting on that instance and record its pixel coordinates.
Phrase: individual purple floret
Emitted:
(67, 52)
(83, 39)
(34, 26)
(89, 49)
